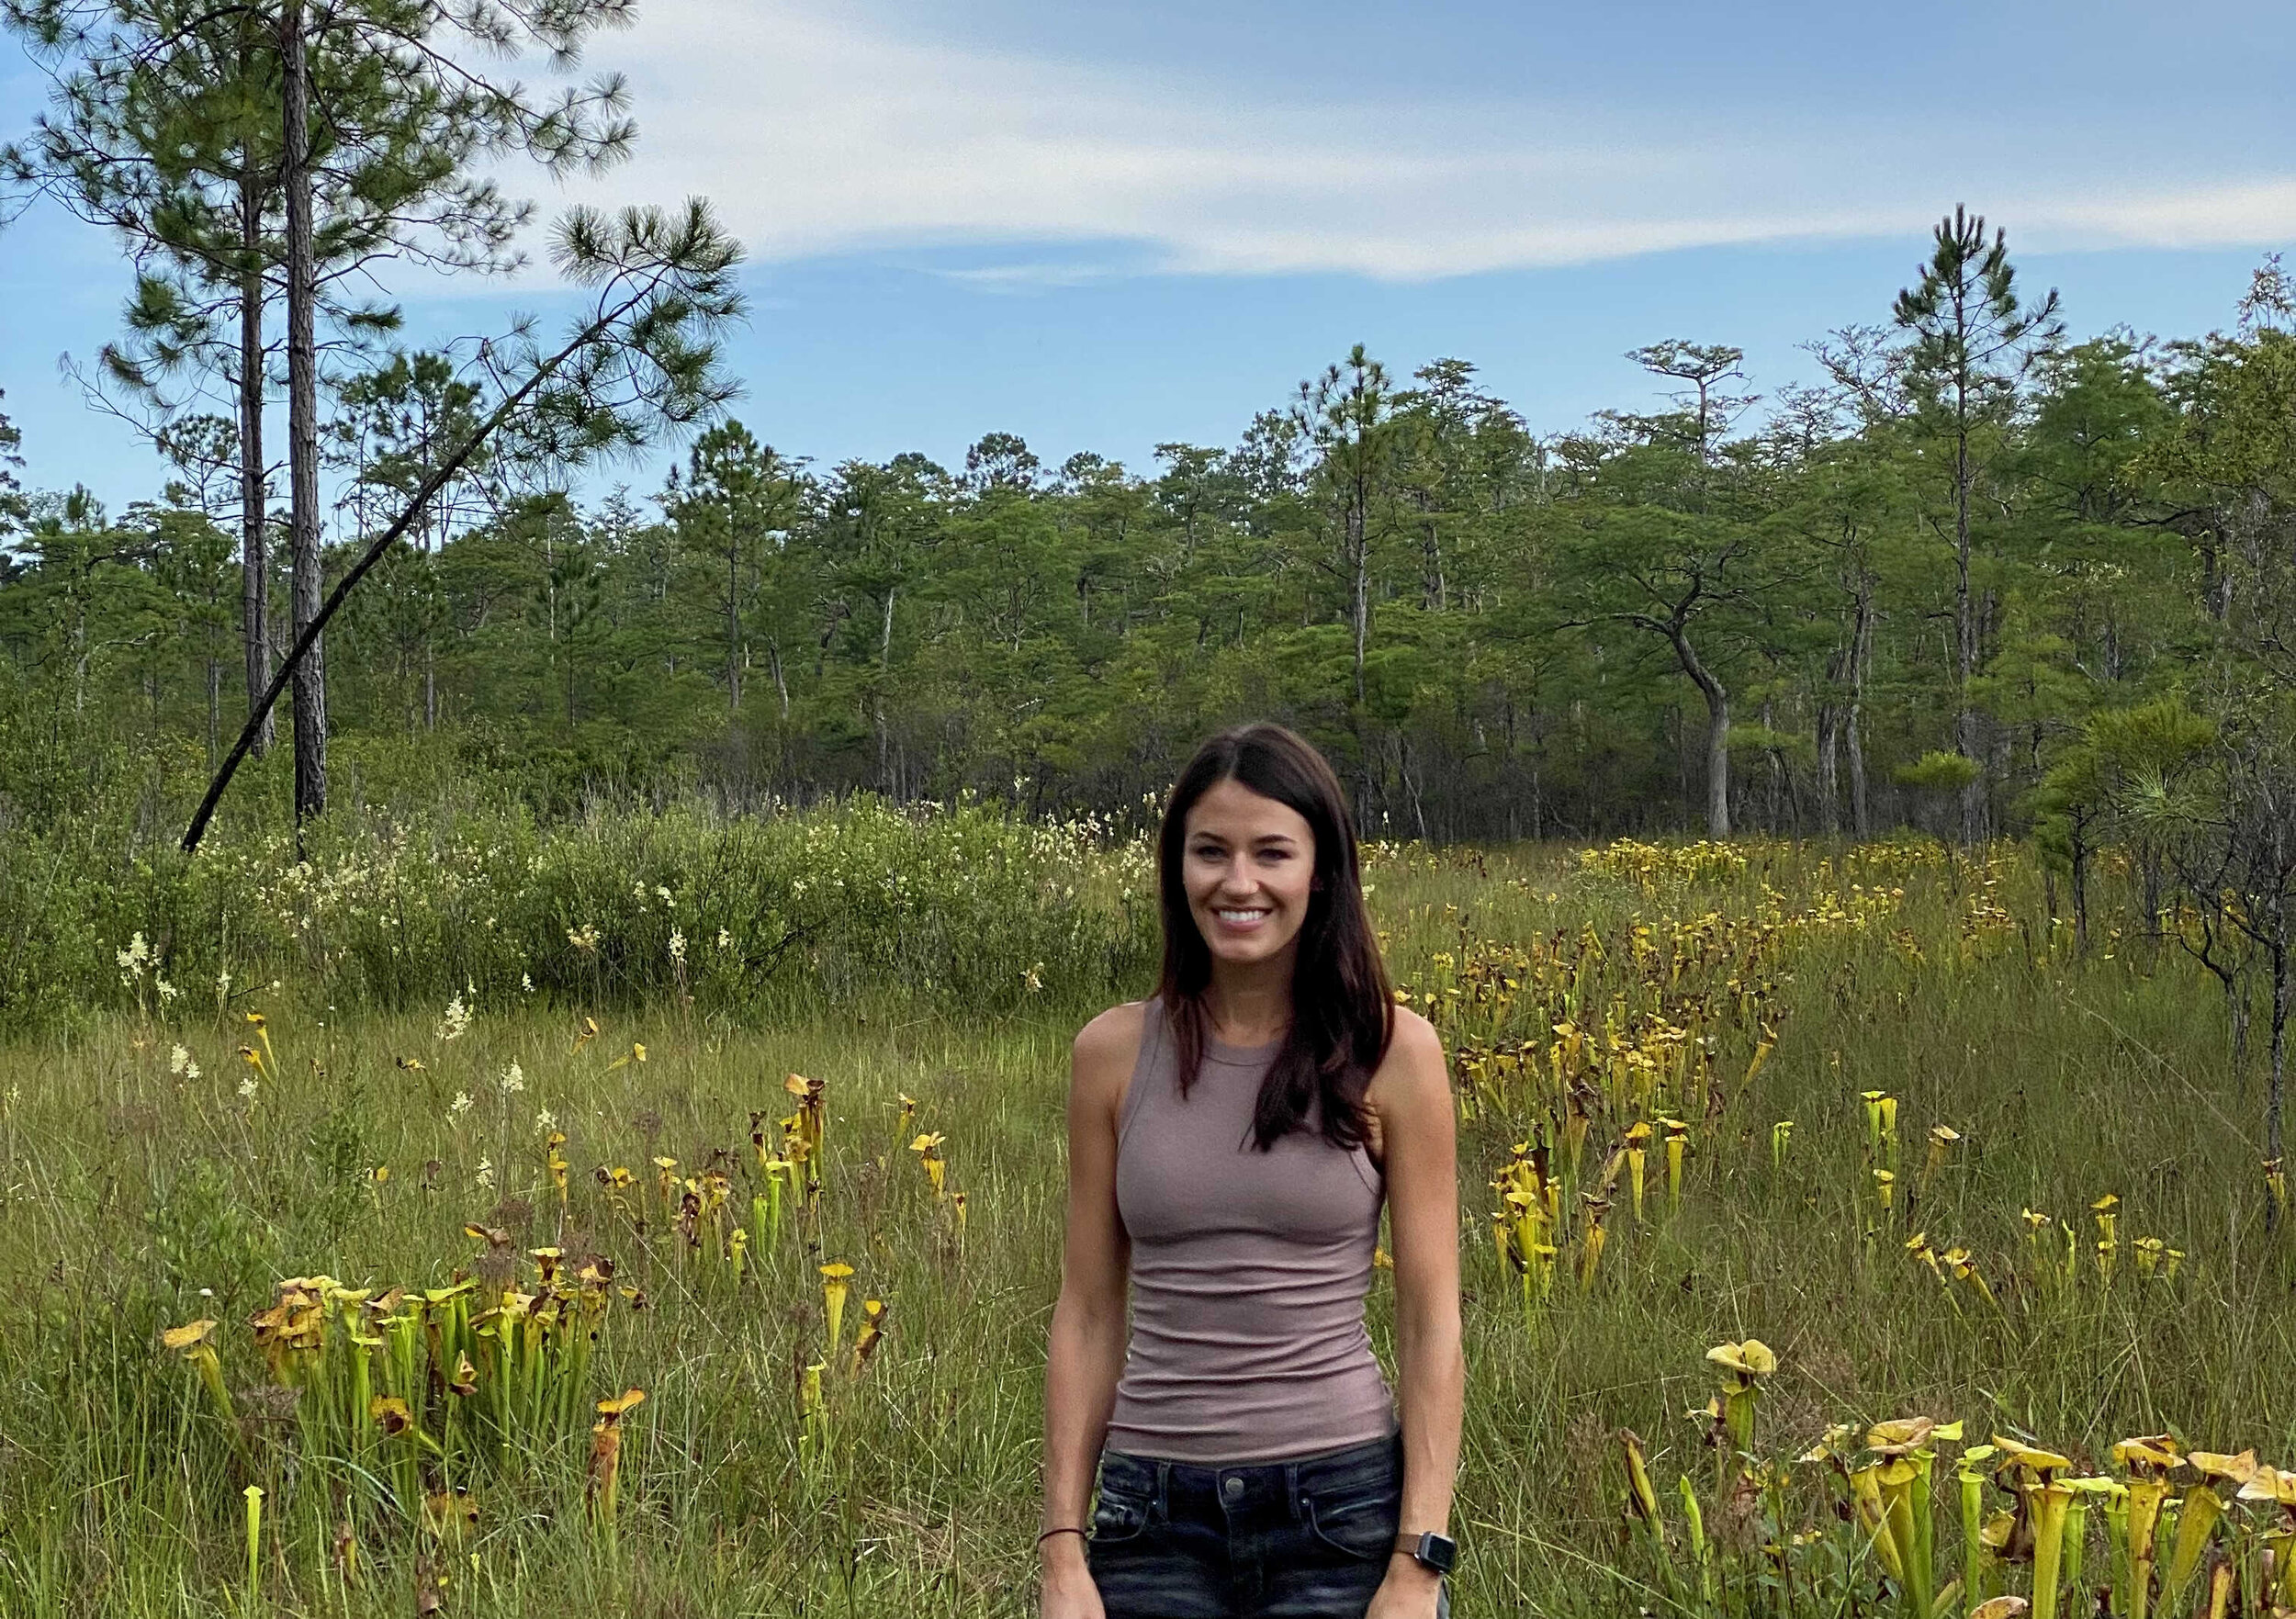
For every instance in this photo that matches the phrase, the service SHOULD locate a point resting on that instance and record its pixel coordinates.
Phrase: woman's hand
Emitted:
(1068, 1591)
(1410, 1591)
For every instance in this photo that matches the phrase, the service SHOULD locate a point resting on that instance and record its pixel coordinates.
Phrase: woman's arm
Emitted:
(1418, 1129)
(1086, 1355)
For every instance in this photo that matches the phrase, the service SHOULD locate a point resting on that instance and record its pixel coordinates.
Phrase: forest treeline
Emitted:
(1906, 594)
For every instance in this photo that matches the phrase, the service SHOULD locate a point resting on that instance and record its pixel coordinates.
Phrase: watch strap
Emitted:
(1431, 1550)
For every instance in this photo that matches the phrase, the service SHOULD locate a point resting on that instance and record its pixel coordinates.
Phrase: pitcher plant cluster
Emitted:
(412, 1410)
(1905, 1517)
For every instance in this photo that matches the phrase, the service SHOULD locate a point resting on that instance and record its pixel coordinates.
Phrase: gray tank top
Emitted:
(1248, 1271)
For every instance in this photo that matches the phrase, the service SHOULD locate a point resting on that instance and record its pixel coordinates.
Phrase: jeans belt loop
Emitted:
(1163, 1492)
(1291, 1490)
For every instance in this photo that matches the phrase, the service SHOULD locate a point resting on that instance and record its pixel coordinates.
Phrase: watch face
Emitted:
(1438, 1552)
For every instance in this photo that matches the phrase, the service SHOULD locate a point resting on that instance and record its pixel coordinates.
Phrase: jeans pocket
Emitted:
(1117, 1518)
(1361, 1523)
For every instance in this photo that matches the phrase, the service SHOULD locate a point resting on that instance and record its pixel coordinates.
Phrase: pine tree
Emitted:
(1973, 340)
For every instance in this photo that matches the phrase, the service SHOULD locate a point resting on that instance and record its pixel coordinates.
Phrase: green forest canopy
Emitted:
(1732, 613)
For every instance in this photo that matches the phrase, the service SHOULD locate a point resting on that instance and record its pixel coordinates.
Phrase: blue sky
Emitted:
(1102, 226)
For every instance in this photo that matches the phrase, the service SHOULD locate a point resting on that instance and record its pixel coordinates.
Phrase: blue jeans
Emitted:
(1302, 1539)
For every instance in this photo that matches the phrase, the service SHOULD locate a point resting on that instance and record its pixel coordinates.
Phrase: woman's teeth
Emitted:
(1239, 919)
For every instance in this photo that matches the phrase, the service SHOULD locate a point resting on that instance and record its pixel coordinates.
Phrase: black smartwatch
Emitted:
(1430, 1550)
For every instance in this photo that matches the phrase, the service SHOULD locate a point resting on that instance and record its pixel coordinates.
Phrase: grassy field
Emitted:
(175, 1163)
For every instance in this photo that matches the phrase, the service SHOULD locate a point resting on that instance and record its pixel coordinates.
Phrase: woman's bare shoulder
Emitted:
(1106, 1048)
(1415, 1037)
(1414, 1065)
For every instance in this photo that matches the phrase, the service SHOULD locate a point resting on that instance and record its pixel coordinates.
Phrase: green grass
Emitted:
(127, 1190)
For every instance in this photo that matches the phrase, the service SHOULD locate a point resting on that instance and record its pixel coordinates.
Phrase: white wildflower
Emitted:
(1033, 979)
(459, 1106)
(484, 1174)
(178, 1060)
(546, 1121)
(514, 1080)
(662, 891)
(247, 1087)
(133, 960)
(677, 945)
(457, 1022)
(168, 992)
(583, 939)
(526, 982)
(724, 940)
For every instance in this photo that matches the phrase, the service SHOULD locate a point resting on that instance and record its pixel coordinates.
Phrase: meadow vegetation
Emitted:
(431, 1157)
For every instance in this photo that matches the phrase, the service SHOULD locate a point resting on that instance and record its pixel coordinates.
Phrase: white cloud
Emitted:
(2216, 214)
(815, 135)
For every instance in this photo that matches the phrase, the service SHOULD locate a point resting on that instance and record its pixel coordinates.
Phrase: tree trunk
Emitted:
(2080, 844)
(310, 680)
(1410, 785)
(253, 476)
(1829, 769)
(781, 681)
(733, 627)
(1717, 736)
(1358, 525)
(1433, 593)
(2276, 1081)
(1860, 660)
(1836, 717)
(2236, 1010)
(885, 668)
(1778, 792)
(1965, 632)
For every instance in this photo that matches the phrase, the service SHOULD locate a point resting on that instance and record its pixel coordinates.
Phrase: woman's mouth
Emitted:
(1240, 919)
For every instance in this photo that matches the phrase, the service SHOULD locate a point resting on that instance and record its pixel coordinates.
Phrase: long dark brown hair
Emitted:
(1343, 1008)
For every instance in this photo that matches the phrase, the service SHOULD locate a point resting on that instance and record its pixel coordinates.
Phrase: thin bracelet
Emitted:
(1063, 1529)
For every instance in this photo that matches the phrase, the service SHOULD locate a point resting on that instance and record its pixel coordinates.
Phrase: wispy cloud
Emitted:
(816, 134)
(2232, 213)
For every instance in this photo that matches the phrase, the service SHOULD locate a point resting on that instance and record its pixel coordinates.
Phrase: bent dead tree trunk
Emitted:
(428, 490)
(1717, 736)
(1676, 628)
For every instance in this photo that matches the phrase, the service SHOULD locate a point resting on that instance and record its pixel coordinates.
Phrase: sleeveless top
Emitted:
(1248, 1271)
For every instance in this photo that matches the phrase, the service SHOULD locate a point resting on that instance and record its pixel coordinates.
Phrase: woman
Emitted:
(1231, 1142)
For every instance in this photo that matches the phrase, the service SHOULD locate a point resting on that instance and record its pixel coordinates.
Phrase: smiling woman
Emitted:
(1232, 1143)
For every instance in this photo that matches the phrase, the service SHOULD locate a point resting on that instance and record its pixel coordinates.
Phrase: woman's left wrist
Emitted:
(1402, 1560)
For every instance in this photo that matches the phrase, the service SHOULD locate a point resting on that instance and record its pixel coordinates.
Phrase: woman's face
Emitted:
(1248, 865)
